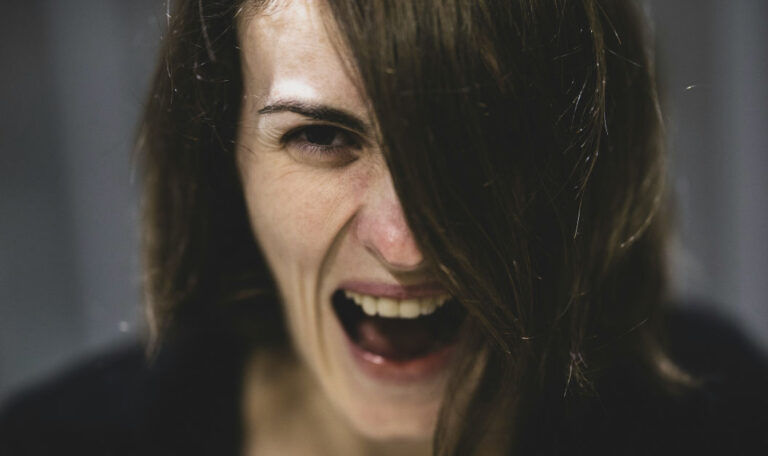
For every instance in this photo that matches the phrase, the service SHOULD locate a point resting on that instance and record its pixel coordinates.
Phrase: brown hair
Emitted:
(524, 140)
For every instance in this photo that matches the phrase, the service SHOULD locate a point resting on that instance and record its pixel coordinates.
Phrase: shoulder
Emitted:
(184, 400)
(725, 411)
(711, 346)
(87, 406)
(731, 400)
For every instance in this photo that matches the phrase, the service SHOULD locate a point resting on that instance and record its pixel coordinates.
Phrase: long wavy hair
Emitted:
(524, 141)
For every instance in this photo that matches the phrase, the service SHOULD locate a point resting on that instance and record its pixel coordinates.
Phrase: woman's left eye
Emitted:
(324, 144)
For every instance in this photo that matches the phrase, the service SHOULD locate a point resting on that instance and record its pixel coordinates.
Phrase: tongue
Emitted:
(395, 338)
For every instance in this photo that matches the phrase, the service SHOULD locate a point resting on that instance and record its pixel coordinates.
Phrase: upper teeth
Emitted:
(396, 308)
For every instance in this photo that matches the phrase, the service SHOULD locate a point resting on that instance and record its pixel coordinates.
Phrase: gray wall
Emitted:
(714, 68)
(72, 84)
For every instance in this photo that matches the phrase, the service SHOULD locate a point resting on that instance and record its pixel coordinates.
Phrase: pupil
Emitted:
(322, 136)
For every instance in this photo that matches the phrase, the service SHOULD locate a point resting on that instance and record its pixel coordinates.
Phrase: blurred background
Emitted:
(72, 86)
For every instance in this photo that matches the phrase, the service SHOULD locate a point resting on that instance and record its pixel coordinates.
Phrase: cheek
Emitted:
(296, 215)
(296, 212)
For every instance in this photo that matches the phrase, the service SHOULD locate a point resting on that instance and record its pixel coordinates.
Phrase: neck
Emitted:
(285, 412)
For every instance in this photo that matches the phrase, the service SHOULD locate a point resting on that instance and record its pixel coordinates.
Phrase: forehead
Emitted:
(290, 50)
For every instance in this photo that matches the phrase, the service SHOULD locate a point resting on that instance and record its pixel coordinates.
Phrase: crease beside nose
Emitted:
(384, 231)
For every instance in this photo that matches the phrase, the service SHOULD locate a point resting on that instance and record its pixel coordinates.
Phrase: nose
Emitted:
(381, 228)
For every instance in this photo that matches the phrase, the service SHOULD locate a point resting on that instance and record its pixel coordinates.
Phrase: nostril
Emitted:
(402, 261)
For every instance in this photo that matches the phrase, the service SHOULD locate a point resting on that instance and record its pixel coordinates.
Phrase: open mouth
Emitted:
(399, 330)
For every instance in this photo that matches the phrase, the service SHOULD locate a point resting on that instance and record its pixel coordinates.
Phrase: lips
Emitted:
(402, 332)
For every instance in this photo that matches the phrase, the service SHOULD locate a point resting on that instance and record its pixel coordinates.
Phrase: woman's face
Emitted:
(358, 297)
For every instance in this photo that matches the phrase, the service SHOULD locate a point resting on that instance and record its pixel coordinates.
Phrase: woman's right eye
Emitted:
(324, 136)
(323, 144)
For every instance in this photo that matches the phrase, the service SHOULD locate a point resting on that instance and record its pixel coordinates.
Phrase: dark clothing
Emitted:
(185, 402)
(188, 402)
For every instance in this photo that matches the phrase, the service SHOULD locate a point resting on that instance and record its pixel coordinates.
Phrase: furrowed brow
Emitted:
(318, 112)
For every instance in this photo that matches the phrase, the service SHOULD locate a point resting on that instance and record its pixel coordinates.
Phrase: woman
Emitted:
(432, 227)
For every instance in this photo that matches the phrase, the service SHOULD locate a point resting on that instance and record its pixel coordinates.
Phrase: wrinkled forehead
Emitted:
(290, 49)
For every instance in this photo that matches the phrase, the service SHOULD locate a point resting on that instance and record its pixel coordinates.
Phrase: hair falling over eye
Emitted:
(524, 140)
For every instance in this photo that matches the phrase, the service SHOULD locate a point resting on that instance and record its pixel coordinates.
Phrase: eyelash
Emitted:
(297, 138)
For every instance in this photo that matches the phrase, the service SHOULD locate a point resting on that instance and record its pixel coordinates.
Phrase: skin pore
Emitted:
(324, 211)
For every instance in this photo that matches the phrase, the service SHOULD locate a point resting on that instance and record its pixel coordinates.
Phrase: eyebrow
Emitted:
(318, 112)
